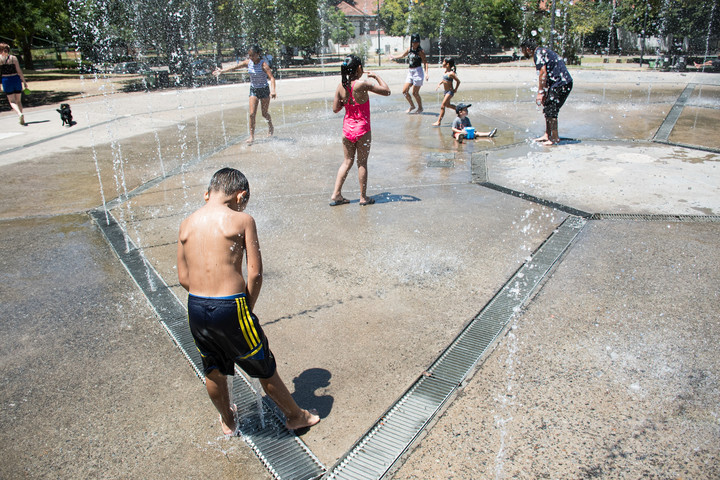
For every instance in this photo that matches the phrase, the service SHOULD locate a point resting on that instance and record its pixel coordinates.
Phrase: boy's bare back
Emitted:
(211, 245)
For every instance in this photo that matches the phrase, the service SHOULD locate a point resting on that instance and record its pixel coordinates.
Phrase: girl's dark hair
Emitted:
(228, 181)
(450, 61)
(348, 69)
(256, 49)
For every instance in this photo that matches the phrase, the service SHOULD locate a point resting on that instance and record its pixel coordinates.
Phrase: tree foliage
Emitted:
(671, 17)
(335, 25)
(27, 19)
(475, 25)
(175, 31)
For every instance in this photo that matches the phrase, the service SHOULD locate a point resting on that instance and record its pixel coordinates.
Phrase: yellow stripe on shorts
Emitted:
(246, 324)
(257, 349)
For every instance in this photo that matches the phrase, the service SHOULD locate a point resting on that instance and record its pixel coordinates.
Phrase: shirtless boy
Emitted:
(211, 246)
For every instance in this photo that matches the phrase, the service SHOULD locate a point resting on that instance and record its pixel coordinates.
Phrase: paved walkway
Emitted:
(610, 369)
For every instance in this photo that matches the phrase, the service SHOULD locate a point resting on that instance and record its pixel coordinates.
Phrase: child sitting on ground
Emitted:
(462, 128)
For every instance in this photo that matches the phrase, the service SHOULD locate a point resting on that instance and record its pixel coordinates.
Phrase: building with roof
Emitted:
(362, 14)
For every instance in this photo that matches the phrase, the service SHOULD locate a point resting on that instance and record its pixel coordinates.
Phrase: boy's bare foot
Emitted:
(544, 138)
(250, 140)
(410, 110)
(230, 429)
(303, 420)
(419, 110)
(436, 124)
(548, 143)
(271, 130)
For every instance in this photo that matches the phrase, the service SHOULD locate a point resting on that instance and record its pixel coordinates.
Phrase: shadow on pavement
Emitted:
(307, 383)
(39, 98)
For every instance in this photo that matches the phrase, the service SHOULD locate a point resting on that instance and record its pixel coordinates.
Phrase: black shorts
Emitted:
(555, 99)
(260, 92)
(226, 333)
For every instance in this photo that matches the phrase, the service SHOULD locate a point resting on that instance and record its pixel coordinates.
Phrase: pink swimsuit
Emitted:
(357, 118)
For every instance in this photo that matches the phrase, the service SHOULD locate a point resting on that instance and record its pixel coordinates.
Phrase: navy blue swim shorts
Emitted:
(226, 332)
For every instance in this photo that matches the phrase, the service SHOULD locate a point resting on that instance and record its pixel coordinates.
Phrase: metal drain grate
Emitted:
(441, 160)
(284, 454)
(380, 448)
(656, 218)
(663, 133)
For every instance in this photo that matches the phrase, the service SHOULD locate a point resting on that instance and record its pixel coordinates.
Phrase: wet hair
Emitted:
(415, 38)
(529, 43)
(450, 61)
(228, 181)
(4, 48)
(348, 69)
(256, 49)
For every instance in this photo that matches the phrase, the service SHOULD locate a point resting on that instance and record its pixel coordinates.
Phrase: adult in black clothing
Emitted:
(554, 86)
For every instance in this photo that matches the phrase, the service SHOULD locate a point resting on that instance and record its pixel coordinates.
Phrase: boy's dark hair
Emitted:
(415, 38)
(529, 43)
(228, 181)
(256, 49)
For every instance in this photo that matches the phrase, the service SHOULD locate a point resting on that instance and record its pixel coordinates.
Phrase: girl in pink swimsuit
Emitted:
(352, 94)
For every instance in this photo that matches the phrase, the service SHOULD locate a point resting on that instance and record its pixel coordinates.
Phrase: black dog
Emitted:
(65, 114)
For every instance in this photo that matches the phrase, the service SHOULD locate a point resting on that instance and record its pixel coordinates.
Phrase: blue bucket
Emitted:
(469, 132)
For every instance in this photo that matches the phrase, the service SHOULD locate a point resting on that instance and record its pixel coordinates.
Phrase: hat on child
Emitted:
(462, 106)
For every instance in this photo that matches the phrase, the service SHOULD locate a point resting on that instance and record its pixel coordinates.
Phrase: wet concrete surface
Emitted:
(91, 385)
(611, 372)
(610, 368)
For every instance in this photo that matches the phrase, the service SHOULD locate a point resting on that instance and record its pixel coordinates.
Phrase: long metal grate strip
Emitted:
(392, 434)
(283, 453)
(663, 133)
(656, 218)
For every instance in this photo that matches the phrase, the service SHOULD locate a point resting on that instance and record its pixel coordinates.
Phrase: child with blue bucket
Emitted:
(462, 128)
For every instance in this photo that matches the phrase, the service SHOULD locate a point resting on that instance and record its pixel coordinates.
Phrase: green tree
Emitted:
(299, 23)
(405, 17)
(470, 26)
(29, 18)
(672, 18)
(336, 26)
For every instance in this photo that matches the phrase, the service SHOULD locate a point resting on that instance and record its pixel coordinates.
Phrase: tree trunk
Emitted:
(26, 48)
